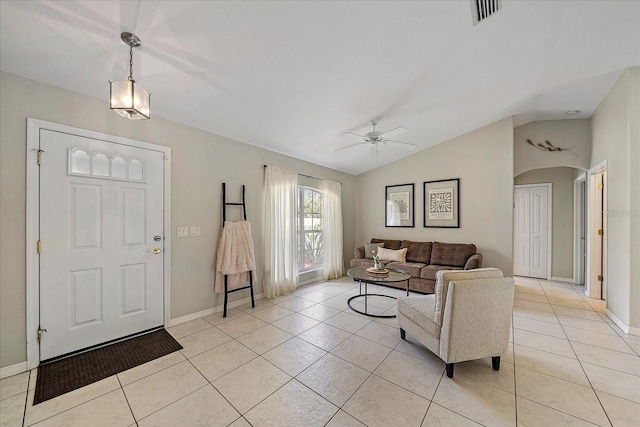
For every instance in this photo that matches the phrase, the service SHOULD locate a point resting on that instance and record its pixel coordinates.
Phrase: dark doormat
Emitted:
(68, 374)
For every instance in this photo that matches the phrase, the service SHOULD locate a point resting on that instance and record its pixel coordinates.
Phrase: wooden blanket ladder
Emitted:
(224, 219)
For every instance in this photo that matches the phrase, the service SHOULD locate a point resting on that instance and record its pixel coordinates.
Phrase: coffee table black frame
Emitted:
(360, 274)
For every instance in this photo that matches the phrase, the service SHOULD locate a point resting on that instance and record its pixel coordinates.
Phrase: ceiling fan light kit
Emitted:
(127, 98)
(374, 138)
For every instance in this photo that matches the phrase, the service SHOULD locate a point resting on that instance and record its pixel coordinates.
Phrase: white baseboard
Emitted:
(620, 324)
(210, 311)
(562, 279)
(11, 370)
(310, 281)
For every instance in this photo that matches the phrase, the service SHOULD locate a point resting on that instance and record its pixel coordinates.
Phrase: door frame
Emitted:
(579, 221)
(592, 287)
(549, 220)
(34, 126)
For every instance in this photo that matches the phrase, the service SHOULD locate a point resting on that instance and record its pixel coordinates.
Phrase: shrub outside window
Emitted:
(310, 235)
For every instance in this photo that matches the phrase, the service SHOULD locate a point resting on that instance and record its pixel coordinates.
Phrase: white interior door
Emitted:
(521, 232)
(596, 234)
(101, 217)
(531, 234)
(580, 234)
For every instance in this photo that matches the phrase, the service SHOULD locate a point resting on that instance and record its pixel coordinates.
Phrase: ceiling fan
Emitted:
(374, 138)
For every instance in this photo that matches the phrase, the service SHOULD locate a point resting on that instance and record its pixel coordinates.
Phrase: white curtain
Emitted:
(280, 238)
(333, 264)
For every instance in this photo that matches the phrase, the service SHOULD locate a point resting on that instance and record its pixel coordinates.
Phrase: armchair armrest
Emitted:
(475, 261)
(359, 252)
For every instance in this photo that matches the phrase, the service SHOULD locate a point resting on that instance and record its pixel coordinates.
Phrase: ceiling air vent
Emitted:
(482, 9)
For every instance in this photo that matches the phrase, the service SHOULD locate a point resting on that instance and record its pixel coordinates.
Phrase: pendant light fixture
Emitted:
(127, 98)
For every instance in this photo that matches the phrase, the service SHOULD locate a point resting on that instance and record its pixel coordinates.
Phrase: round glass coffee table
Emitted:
(364, 278)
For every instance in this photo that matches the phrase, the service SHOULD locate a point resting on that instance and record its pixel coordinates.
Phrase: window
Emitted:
(310, 237)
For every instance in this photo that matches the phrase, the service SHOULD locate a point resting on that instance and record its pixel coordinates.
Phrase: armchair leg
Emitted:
(495, 361)
(403, 333)
(450, 370)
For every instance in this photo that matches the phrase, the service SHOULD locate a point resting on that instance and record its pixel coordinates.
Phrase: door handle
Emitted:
(156, 251)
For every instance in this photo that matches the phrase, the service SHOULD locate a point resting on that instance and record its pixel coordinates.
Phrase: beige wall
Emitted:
(201, 161)
(561, 179)
(561, 133)
(616, 138)
(483, 160)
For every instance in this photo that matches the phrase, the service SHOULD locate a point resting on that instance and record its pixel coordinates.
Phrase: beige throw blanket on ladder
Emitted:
(236, 258)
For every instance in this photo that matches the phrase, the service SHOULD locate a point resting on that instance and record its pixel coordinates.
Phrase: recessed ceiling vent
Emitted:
(482, 9)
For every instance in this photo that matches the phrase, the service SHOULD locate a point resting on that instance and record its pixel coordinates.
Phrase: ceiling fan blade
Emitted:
(403, 145)
(394, 132)
(353, 134)
(352, 145)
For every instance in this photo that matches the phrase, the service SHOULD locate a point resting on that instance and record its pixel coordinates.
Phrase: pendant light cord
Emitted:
(131, 64)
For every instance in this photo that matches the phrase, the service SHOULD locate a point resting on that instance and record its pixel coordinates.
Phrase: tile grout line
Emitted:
(292, 377)
(26, 399)
(135, 420)
(513, 356)
(214, 387)
(558, 410)
(579, 361)
(371, 373)
(585, 373)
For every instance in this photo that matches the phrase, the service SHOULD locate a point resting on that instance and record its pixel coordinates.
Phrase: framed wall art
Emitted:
(442, 203)
(399, 205)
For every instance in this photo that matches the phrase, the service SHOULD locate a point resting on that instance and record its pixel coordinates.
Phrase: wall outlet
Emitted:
(182, 231)
(195, 231)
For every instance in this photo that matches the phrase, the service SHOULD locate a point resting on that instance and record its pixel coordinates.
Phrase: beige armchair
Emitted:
(468, 317)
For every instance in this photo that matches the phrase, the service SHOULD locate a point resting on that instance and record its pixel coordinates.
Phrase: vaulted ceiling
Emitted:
(293, 76)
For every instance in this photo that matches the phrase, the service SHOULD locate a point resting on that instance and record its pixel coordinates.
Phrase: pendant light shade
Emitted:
(130, 100)
(127, 98)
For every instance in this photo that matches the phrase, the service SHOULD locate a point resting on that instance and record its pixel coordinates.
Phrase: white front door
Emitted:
(531, 231)
(101, 218)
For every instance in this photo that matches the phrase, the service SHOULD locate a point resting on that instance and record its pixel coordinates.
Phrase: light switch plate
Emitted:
(182, 231)
(195, 231)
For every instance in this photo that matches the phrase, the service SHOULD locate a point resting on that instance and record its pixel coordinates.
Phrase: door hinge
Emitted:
(39, 246)
(600, 278)
(600, 232)
(600, 186)
(40, 331)
(39, 156)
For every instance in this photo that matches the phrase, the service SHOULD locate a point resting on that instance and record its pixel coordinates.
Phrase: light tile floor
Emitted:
(308, 360)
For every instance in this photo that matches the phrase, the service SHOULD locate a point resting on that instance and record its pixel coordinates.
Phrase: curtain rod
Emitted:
(301, 174)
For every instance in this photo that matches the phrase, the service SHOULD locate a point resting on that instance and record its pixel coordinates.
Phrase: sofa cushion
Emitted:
(429, 272)
(399, 255)
(390, 244)
(371, 249)
(417, 251)
(445, 277)
(420, 310)
(455, 254)
(411, 268)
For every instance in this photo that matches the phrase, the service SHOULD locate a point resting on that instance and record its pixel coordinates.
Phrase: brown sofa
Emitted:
(424, 260)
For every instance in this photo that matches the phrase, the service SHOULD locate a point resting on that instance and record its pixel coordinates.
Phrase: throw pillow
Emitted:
(390, 255)
(371, 249)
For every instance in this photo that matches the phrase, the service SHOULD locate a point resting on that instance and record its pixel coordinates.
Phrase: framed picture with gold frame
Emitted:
(442, 203)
